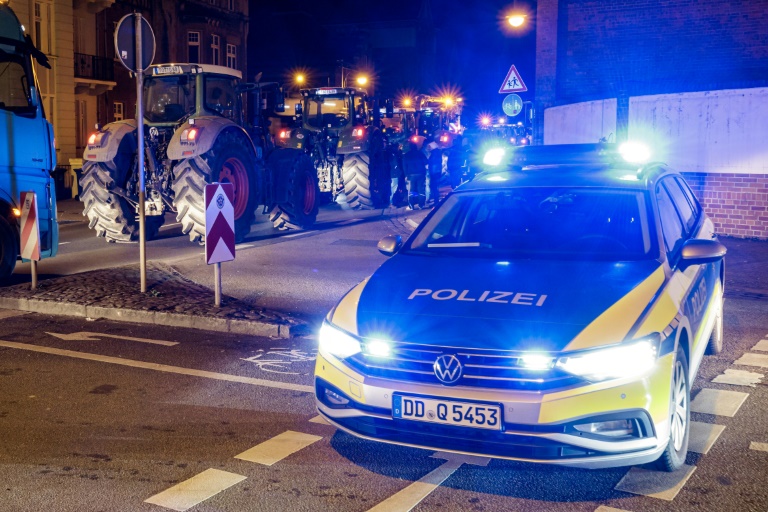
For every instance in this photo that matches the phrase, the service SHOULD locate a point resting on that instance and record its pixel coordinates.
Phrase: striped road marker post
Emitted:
(30, 233)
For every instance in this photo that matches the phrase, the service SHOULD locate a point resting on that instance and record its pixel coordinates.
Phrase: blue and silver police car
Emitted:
(554, 310)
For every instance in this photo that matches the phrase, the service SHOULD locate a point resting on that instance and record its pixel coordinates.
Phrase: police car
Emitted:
(554, 310)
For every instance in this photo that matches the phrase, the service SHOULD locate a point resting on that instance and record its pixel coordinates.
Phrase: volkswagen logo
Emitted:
(448, 369)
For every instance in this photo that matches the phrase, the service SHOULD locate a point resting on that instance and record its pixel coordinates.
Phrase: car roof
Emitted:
(572, 165)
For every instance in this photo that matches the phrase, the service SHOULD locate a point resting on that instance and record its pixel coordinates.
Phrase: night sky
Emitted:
(474, 45)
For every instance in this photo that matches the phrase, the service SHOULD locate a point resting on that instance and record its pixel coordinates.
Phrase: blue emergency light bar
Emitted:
(502, 158)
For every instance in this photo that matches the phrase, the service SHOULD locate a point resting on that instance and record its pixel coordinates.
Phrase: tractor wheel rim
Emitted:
(233, 171)
(309, 195)
(679, 407)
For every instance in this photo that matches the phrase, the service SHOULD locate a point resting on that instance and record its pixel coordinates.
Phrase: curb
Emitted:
(229, 325)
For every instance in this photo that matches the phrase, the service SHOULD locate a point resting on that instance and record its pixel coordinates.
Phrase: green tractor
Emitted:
(340, 131)
(195, 133)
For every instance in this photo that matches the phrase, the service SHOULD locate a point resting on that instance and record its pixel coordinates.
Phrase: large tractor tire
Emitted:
(8, 249)
(110, 214)
(296, 180)
(229, 161)
(363, 174)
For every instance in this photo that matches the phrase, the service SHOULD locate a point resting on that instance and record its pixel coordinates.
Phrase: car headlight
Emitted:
(494, 156)
(337, 342)
(627, 360)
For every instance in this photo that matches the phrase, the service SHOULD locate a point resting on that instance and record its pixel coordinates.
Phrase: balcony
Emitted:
(93, 75)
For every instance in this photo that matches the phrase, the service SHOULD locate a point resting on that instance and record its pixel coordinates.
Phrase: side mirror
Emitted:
(390, 244)
(697, 252)
(389, 108)
(298, 109)
(34, 99)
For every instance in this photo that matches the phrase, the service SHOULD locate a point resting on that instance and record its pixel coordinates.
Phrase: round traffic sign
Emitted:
(125, 42)
(512, 105)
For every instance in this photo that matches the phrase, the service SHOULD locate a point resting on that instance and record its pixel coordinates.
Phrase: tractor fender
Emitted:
(348, 143)
(114, 137)
(208, 130)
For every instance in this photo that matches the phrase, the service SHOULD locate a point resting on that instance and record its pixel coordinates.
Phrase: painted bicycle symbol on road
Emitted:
(281, 360)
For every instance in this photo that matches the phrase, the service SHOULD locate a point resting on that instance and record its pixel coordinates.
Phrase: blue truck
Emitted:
(27, 153)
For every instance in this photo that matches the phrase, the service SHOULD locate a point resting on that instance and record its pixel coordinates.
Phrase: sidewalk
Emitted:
(114, 294)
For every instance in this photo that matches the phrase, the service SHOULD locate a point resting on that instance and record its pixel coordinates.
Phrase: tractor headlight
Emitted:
(634, 359)
(337, 342)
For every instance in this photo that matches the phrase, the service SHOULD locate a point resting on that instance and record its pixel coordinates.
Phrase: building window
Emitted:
(215, 50)
(43, 27)
(231, 5)
(231, 56)
(193, 47)
(118, 111)
(81, 121)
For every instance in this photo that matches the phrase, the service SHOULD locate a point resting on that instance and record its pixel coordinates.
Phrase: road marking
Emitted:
(197, 489)
(702, 436)
(320, 420)
(297, 234)
(94, 336)
(750, 359)
(346, 222)
(412, 495)
(64, 243)
(739, 378)
(412, 223)
(279, 447)
(243, 246)
(170, 225)
(655, 484)
(762, 346)
(159, 367)
(718, 402)
(603, 508)
(761, 447)
(10, 313)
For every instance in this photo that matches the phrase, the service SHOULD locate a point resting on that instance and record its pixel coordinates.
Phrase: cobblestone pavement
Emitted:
(114, 293)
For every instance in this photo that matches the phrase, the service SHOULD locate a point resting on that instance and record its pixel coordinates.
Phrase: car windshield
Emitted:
(541, 222)
(168, 98)
(14, 82)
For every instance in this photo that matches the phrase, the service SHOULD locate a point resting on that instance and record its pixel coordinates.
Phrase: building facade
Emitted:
(690, 76)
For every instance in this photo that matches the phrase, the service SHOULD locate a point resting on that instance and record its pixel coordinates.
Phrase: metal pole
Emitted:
(217, 284)
(140, 137)
(34, 274)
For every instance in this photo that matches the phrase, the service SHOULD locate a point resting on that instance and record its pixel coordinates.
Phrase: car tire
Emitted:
(228, 161)
(673, 457)
(9, 250)
(715, 343)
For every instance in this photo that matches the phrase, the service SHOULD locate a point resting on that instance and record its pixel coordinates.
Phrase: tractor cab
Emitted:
(334, 108)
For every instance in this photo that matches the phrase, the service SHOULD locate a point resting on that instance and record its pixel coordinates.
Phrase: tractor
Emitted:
(195, 133)
(340, 131)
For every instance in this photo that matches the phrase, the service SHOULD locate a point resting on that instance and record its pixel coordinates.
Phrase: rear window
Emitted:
(541, 222)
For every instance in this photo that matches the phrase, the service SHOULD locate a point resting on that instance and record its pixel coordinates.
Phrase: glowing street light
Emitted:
(407, 102)
(449, 101)
(485, 120)
(516, 20)
(362, 80)
(299, 79)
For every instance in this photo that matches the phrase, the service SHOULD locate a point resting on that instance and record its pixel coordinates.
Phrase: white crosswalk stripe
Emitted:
(762, 346)
(702, 436)
(197, 489)
(718, 402)
(761, 447)
(278, 448)
(750, 359)
(655, 484)
(739, 378)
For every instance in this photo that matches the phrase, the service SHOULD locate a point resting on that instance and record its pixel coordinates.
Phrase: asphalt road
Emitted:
(117, 422)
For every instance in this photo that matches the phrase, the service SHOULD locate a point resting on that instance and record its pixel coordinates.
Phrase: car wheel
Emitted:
(715, 343)
(673, 456)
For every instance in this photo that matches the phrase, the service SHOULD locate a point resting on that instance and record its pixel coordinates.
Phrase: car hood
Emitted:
(503, 305)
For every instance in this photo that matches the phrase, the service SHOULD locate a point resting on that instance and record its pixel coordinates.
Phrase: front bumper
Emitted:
(537, 427)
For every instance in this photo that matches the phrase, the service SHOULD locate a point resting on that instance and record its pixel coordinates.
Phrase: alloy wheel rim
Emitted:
(679, 420)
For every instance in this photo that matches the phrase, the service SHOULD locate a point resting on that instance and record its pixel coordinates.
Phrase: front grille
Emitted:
(495, 369)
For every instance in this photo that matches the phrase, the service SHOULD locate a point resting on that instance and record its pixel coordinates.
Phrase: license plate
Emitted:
(446, 412)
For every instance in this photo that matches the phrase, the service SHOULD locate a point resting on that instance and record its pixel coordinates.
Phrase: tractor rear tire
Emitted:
(228, 161)
(361, 173)
(298, 189)
(9, 250)
(110, 214)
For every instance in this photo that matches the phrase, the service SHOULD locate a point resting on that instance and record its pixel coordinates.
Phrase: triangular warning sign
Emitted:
(513, 82)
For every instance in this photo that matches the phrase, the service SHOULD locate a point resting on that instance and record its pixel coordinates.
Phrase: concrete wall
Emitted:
(580, 122)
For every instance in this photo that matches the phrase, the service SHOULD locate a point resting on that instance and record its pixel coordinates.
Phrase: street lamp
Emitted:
(362, 80)
(516, 20)
(300, 79)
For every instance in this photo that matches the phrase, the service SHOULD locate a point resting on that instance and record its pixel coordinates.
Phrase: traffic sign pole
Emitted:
(140, 137)
(217, 280)
(219, 230)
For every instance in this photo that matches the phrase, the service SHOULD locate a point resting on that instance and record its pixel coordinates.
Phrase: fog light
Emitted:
(616, 428)
(335, 398)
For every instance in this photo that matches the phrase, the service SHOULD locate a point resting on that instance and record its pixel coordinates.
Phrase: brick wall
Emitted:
(735, 202)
